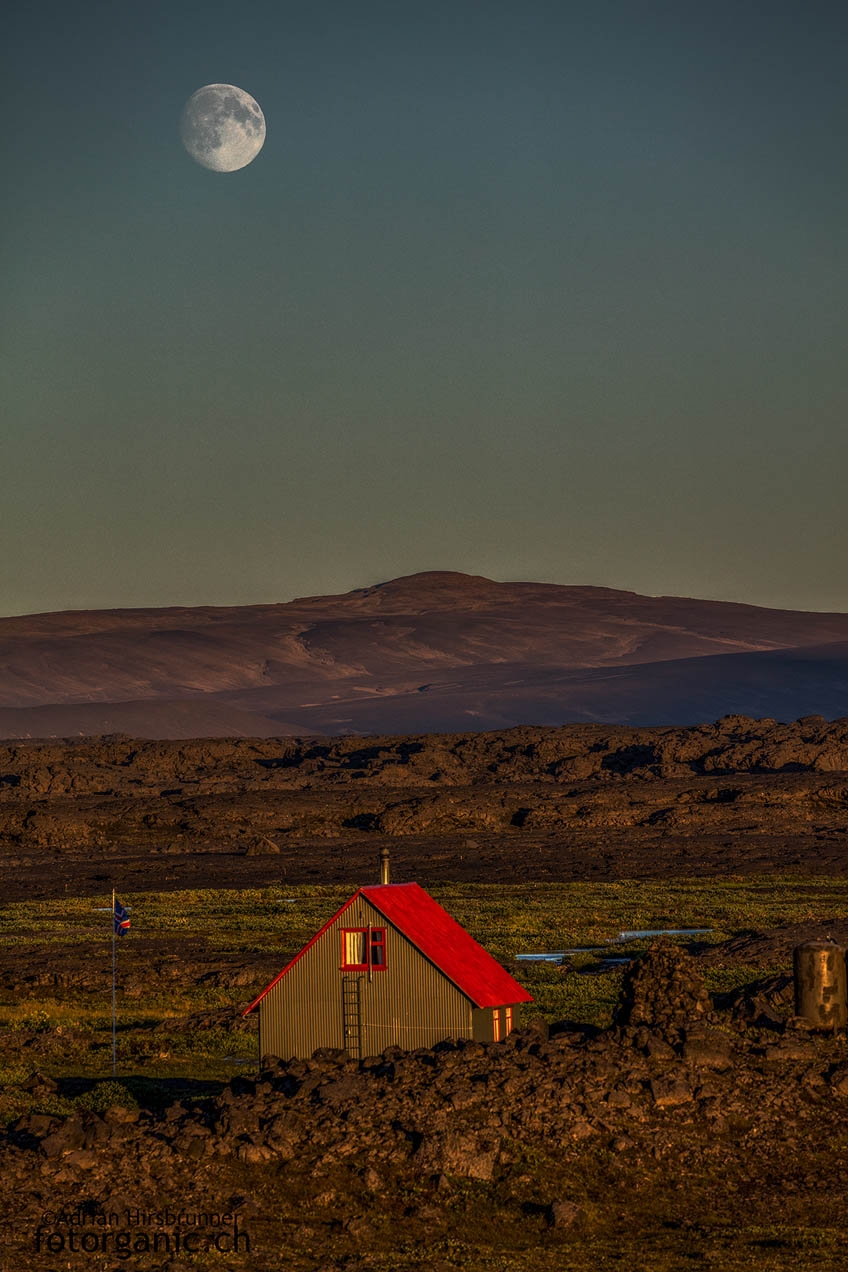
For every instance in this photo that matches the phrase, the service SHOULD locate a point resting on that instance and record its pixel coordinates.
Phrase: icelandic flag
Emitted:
(121, 918)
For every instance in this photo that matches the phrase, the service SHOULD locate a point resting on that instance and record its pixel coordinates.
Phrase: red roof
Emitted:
(439, 937)
(423, 921)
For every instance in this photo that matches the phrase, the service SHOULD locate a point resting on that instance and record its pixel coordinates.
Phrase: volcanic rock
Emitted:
(664, 991)
(562, 1214)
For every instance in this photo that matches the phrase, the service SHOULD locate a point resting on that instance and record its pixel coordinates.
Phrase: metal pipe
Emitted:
(384, 865)
(821, 993)
(114, 1014)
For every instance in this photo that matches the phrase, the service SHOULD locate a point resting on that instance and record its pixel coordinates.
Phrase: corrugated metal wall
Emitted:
(410, 1004)
(483, 1022)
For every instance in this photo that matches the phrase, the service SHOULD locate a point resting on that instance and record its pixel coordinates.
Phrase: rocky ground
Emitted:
(582, 801)
(557, 1148)
(691, 1132)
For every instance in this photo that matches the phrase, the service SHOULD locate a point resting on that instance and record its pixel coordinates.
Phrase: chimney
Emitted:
(384, 865)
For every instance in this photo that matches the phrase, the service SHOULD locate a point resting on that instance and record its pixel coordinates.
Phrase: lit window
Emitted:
(507, 1020)
(496, 1025)
(363, 949)
(354, 948)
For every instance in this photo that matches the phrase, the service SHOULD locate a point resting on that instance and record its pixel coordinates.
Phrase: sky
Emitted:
(536, 290)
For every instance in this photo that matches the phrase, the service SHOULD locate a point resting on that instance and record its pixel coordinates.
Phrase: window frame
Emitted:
(369, 965)
(377, 944)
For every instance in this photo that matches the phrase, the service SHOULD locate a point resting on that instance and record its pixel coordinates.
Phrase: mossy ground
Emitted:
(73, 1028)
(670, 1221)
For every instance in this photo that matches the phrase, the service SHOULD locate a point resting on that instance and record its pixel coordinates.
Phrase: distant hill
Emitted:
(438, 651)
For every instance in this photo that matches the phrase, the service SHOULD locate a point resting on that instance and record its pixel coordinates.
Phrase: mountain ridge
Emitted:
(484, 654)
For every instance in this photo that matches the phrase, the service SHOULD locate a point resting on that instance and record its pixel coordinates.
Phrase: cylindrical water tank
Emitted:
(821, 993)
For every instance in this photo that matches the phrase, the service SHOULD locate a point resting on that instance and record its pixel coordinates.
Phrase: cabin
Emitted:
(390, 969)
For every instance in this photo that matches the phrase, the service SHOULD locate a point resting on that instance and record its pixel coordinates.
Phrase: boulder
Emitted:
(707, 1048)
(562, 1215)
(457, 1153)
(670, 1091)
(65, 1139)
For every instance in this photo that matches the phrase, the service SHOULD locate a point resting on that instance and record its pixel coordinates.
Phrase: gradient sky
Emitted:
(550, 291)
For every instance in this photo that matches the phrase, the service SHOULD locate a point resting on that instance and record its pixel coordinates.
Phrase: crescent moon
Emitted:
(222, 127)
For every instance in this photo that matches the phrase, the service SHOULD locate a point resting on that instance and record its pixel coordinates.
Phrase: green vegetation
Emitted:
(508, 920)
(63, 1030)
(67, 1029)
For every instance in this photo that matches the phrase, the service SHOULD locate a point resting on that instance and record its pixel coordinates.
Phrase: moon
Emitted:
(222, 127)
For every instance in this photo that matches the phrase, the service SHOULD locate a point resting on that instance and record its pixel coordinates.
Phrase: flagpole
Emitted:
(114, 1041)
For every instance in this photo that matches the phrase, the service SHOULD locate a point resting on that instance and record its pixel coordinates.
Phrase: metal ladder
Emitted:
(352, 1015)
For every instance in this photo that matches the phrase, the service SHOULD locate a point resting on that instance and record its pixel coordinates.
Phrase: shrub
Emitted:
(106, 1095)
(39, 1021)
